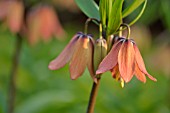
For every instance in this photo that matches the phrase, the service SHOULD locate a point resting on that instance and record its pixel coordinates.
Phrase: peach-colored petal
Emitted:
(90, 60)
(47, 16)
(126, 61)
(140, 62)
(15, 16)
(79, 60)
(110, 60)
(65, 55)
(4, 9)
(34, 25)
(139, 75)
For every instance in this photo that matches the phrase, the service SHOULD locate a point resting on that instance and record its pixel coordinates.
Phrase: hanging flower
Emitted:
(43, 22)
(124, 60)
(12, 13)
(79, 52)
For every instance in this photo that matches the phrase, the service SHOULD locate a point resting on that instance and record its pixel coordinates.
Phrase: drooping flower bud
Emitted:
(43, 23)
(79, 52)
(100, 51)
(12, 13)
(124, 61)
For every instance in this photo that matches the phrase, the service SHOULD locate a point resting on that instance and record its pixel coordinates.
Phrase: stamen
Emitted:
(122, 82)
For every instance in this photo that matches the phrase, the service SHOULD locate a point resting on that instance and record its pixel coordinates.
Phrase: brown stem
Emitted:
(93, 96)
(12, 84)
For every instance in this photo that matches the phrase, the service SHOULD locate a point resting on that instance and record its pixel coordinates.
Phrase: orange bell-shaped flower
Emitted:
(12, 13)
(42, 22)
(79, 52)
(124, 60)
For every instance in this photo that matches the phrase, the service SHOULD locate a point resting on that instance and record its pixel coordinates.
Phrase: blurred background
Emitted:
(39, 90)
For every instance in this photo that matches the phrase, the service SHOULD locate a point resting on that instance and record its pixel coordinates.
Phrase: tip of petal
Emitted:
(154, 79)
(98, 72)
(51, 66)
(73, 77)
(126, 80)
(151, 77)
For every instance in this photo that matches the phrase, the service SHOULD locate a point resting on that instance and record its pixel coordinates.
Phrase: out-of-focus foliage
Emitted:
(155, 10)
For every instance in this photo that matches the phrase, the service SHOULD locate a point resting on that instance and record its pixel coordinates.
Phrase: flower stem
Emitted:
(93, 96)
(128, 28)
(12, 81)
(87, 23)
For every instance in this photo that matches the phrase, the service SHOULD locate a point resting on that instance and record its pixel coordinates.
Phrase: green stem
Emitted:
(128, 28)
(93, 96)
(12, 82)
(87, 23)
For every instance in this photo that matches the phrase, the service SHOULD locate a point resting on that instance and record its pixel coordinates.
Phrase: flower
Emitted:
(124, 60)
(12, 13)
(43, 22)
(79, 52)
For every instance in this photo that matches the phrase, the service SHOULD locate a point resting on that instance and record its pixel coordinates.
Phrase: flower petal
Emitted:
(65, 55)
(15, 16)
(140, 62)
(110, 60)
(90, 60)
(139, 75)
(79, 60)
(126, 61)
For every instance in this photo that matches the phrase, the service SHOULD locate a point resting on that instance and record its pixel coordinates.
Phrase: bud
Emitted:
(100, 51)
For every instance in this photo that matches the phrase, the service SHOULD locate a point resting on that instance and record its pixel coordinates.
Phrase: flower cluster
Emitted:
(123, 59)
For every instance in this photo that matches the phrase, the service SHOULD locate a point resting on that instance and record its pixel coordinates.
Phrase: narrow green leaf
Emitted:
(132, 7)
(139, 15)
(115, 17)
(89, 7)
(102, 10)
(105, 10)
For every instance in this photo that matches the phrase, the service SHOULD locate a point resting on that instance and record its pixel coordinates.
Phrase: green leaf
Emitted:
(139, 15)
(115, 17)
(105, 7)
(89, 7)
(132, 7)
(102, 10)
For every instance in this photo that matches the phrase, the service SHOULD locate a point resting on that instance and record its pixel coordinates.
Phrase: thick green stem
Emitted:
(12, 82)
(93, 96)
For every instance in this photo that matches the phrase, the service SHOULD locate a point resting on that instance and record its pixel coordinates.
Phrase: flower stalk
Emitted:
(93, 96)
(128, 28)
(13, 75)
(87, 23)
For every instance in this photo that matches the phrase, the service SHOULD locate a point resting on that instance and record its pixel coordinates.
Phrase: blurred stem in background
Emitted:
(13, 75)
(93, 96)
